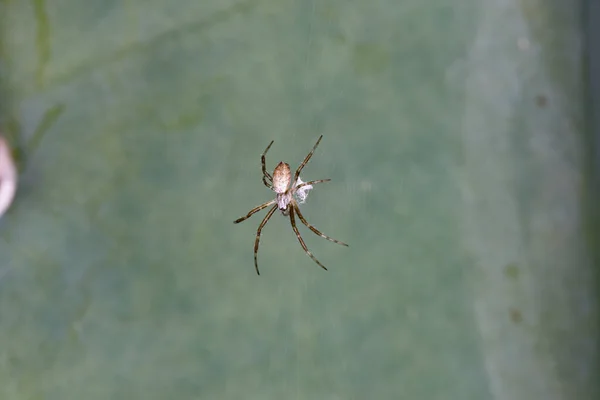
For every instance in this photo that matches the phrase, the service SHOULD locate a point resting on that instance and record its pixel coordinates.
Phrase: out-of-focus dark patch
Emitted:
(515, 315)
(541, 101)
(511, 271)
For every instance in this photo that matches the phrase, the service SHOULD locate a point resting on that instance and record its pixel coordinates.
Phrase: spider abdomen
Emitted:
(281, 177)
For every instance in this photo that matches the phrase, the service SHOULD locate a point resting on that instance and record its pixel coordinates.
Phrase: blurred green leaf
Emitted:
(453, 135)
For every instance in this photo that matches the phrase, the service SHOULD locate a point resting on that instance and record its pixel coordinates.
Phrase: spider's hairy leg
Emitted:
(258, 232)
(293, 221)
(297, 174)
(254, 211)
(312, 228)
(266, 182)
(267, 178)
(311, 183)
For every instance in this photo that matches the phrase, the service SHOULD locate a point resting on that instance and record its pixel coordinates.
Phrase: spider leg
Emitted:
(293, 221)
(312, 228)
(266, 176)
(254, 211)
(311, 183)
(297, 174)
(266, 182)
(258, 231)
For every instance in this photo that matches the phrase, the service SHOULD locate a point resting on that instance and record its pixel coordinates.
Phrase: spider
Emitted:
(285, 200)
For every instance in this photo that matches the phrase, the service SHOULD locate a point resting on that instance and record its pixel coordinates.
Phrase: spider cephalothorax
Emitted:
(289, 192)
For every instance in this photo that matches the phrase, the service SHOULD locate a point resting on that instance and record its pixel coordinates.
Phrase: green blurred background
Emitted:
(455, 138)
